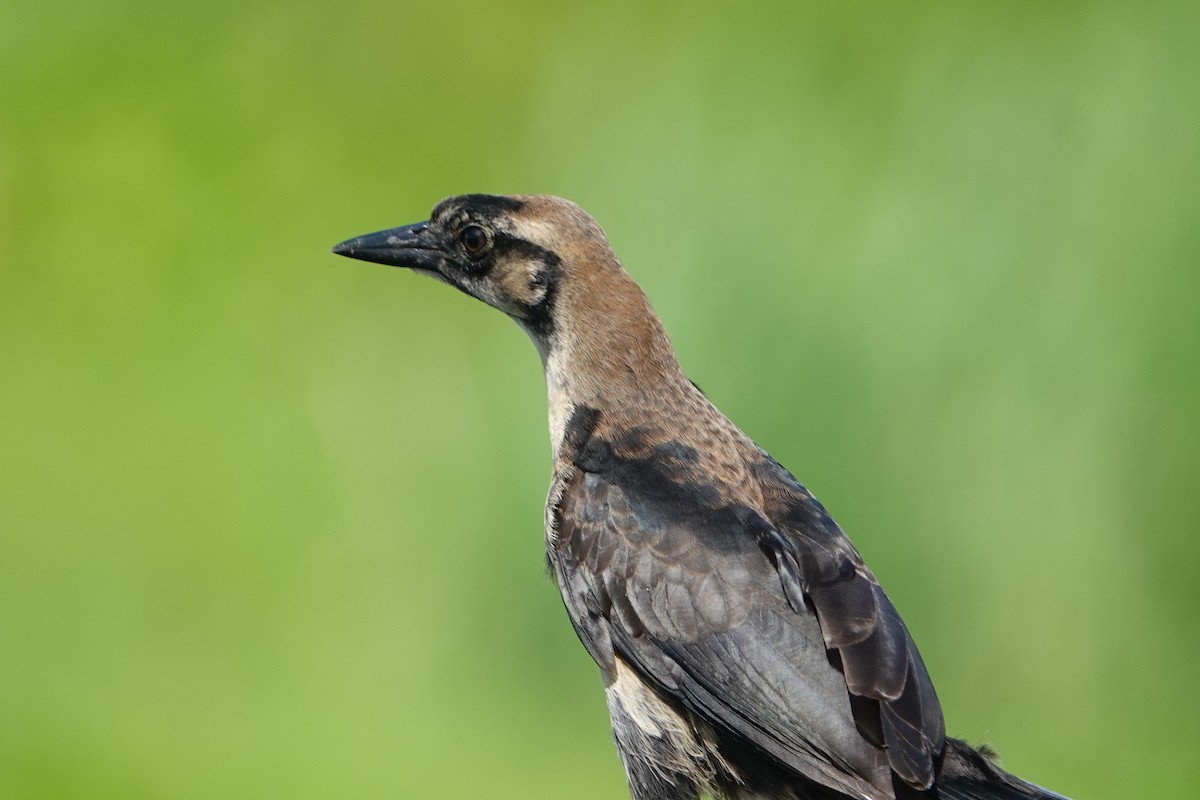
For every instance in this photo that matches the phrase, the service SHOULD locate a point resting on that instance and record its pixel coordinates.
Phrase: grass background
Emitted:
(270, 520)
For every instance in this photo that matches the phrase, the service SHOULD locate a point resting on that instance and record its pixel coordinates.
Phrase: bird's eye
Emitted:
(475, 239)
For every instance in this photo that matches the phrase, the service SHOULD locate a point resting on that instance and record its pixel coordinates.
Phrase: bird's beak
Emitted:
(409, 246)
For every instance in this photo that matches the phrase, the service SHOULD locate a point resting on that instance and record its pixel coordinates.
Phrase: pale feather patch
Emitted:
(544, 233)
(685, 745)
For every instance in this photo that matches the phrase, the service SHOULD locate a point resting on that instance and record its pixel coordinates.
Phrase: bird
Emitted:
(745, 648)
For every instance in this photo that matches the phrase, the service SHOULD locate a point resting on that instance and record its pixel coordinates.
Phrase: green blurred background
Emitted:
(270, 520)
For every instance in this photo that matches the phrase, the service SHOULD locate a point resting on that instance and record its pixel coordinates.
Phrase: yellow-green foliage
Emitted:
(270, 520)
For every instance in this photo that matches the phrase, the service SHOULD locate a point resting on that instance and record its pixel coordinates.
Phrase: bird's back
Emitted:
(686, 552)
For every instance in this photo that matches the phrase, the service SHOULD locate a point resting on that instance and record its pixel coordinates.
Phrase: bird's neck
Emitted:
(611, 372)
(612, 355)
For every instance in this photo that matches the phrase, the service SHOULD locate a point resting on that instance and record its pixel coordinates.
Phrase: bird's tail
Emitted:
(968, 774)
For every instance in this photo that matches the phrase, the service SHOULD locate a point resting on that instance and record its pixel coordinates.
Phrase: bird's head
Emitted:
(515, 253)
(547, 264)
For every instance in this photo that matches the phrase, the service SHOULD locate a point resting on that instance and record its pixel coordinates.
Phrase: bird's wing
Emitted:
(777, 635)
(895, 702)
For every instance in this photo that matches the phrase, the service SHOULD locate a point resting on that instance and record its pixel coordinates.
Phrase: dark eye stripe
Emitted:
(508, 245)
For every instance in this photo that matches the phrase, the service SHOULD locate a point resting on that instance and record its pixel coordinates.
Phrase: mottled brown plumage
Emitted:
(746, 649)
